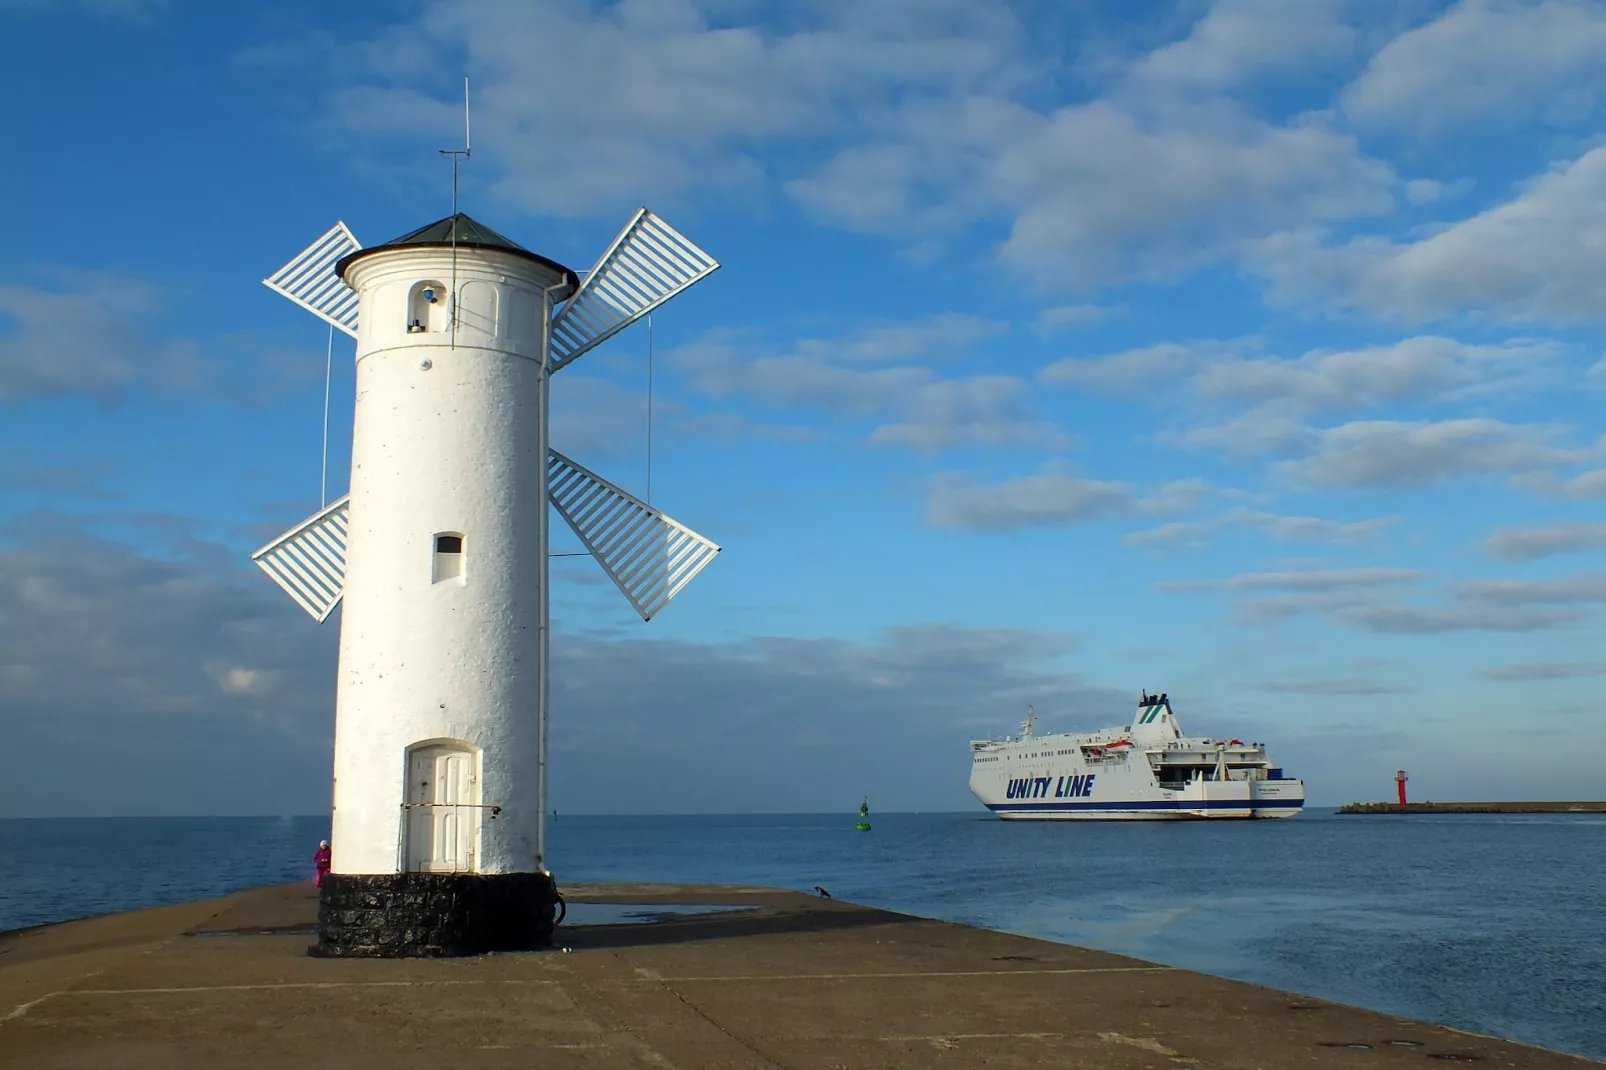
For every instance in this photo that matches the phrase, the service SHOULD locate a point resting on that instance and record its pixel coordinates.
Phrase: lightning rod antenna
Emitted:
(457, 155)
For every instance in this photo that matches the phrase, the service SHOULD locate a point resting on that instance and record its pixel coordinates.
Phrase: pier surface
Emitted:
(779, 980)
(1474, 808)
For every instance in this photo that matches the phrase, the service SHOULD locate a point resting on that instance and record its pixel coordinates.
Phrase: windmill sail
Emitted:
(310, 280)
(647, 264)
(649, 557)
(309, 560)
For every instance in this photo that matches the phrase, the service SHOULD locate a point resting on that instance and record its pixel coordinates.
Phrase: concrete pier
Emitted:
(779, 980)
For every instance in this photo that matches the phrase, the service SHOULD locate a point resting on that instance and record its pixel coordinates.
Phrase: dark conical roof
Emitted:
(462, 231)
(469, 232)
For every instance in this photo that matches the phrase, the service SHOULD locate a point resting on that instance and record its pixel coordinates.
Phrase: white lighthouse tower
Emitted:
(440, 556)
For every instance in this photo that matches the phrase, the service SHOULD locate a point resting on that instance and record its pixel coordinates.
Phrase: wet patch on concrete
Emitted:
(280, 930)
(643, 913)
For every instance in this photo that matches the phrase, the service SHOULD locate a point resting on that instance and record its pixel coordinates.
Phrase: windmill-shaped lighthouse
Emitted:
(440, 556)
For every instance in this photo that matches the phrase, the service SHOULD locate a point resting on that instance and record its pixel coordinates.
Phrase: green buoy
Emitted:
(864, 816)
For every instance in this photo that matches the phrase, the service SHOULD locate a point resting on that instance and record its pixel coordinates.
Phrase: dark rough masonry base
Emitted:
(433, 915)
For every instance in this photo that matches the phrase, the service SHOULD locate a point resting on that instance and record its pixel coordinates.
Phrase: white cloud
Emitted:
(1525, 544)
(1171, 186)
(1584, 487)
(89, 333)
(1238, 41)
(1331, 687)
(1430, 191)
(887, 117)
(720, 367)
(1485, 605)
(1156, 201)
(1189, 533)
(731, 427)
(1380, 453)
(1585, 587)
(1419, 368)
(983, 410)
(137, 10)
(1129, 372)
(1350, 597)
(945, 335)
(1256, 432)
(955, 501)
(1310, 528)
(1485, 60)
(1053, 320)
(1474, 617)
(1339, 579)
(1422, 368)
(1051, 497)
(587, 110)
(1535, 257)
(595, 418)
(1524, 672)
(848, 378)
(1178, 496)
(1281, 528)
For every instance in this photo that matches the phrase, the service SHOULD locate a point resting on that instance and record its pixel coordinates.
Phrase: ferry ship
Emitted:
(1139, 771)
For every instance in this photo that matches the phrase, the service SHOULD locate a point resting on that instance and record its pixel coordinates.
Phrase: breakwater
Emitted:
(766, 978)
(1474, 808)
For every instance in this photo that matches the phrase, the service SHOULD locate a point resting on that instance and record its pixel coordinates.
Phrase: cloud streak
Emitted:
(1525, 544)
(1049, 498)
(90, 334)
(882, 374)
(197, 663)
(1526, 672)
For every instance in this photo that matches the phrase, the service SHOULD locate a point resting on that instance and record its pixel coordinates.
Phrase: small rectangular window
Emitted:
(448, 558)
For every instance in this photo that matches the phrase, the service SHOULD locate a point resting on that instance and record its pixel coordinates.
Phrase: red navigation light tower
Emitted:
(1400, 778)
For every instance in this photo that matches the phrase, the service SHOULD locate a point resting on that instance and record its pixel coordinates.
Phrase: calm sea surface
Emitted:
(1486, 922)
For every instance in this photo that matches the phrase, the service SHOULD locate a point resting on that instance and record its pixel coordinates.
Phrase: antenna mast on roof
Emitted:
(463, 153)
(457, 155)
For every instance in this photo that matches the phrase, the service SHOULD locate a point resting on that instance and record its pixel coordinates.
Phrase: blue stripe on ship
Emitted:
(1156, 804)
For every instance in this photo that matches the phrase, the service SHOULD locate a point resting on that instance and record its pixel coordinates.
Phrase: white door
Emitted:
(442, 822)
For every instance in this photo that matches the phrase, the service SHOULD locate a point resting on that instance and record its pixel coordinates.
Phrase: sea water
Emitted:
(1494, 923)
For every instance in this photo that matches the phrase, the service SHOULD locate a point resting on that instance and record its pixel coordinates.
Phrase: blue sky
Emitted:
(1244, 350)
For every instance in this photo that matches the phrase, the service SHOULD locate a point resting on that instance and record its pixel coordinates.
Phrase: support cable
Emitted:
(328, 368)
(648, 499)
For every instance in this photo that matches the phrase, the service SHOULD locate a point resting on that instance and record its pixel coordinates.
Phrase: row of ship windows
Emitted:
(1027, 757)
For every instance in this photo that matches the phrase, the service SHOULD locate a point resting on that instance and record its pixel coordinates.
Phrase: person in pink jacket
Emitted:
(320, 858)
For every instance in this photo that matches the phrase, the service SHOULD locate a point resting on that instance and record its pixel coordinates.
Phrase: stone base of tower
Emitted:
(433, 915)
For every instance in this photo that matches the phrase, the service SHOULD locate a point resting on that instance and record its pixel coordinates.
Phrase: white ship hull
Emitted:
(1144, 771)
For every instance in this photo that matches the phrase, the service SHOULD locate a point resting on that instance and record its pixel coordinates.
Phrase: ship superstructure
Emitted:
(1142, 770)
